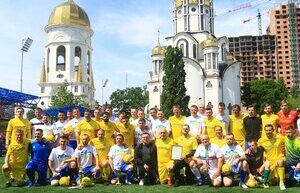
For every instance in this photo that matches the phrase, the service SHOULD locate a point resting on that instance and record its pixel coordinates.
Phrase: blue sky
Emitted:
(125, 31)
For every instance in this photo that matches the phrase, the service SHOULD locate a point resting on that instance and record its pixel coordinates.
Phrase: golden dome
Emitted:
(69, 13)
(210, 42)
(158, 50)
(207, 2)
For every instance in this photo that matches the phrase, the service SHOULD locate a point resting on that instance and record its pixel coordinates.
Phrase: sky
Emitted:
(125, 31)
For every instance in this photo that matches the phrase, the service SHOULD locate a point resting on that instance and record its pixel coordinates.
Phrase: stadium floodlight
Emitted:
(25, 47)
(104, 82)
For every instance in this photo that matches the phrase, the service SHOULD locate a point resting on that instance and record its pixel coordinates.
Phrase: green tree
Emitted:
(173, 82)
(123, 100)
(64, 97)
(260, 92)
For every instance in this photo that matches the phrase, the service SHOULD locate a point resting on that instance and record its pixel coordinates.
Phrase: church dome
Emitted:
(69, 13)
(158, 50)
(210, 42)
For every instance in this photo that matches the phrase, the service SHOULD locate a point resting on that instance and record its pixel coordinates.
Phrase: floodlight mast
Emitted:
(25, 47)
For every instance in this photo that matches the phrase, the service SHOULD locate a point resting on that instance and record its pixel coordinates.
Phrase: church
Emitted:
(68, 54)
(212, 76)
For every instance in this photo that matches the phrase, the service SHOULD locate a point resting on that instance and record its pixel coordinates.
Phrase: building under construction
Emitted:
(274, 55)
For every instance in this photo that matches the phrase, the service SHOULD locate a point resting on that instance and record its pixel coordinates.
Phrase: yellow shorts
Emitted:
(16, 171)
(163, 173)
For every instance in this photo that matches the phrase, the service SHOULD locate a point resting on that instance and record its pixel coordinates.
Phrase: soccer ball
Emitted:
(203, 170)
(50, 137)
(127, 158)
(68, 130)
(252, 183)
(86, 181)
(226, 169)
(54, 182)
(64, 181)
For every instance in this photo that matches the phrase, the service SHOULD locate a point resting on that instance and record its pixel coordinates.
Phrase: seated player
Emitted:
(61, 162)
(118, 164)
(234, 155)
(165, 163)
(189, 145)
(208, 157)
(274, 156)
(40, 150)
(84, 156)
(16, 159)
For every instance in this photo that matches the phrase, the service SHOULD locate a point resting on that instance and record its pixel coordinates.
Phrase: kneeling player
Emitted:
(61, 162)
(84, 158)
(233, 156)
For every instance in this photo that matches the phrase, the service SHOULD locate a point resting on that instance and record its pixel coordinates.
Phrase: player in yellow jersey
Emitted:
(17, 123)
(209, 123)
(16, 159)
(176, 122)
(269, 118)
(219, 139)
(165, 163)
(97, 116)
(274, 156)
(189, 145)
(102, 146)
(108, 126)
(128, 131)
(86, 126)
(236, 125)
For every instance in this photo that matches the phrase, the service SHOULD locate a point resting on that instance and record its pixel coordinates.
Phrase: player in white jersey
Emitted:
(160, 123)
(195, 122)
(223, 117)
(37, 121)
(59, 125)
(84, 155)
(69, 129)
(207, 157)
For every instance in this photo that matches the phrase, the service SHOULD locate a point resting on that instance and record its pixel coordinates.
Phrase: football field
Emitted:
(135, 188)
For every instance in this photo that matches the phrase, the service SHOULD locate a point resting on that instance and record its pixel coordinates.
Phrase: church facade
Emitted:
(212, 76)
(68, 54)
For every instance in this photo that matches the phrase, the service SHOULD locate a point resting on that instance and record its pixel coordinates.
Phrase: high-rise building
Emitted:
(285, 26)
(257, 55)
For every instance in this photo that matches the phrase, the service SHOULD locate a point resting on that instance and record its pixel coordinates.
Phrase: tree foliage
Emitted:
(174, 91)
(64, 97)
(260, 92)
(123, 100)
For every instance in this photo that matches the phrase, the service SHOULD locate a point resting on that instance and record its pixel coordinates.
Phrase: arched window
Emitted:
(194, 51)
(209, 61)
(61, 58)
(223, 51)
(88, 65)
(77, 57)
(182, 48)
(214, 60)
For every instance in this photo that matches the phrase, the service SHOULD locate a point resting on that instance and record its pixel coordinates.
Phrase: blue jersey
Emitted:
(40, 151)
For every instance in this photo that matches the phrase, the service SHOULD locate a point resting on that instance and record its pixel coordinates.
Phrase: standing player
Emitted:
(17, 123)
(223, 117)
(195, 122)
(269, 118)
(86, 126)
(128, 132)
(109, 127)
(286, 117)
(102, 146)
(234, 155)
(274, 156)
(40, 150)
(84, 158)
(236, 125)
(16, 159)
(140, 130)
(59, 125)
(165, 163)
(207, 156)
(210, 122)
(176, 122)
(159, 123)
(37, 121)
(70, 127)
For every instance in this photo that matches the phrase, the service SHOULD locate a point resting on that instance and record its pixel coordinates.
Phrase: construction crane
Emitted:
(293, 45)
(259, 23)
(249, 4)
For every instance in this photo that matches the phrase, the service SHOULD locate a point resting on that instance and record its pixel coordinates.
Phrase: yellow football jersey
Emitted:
(188, 144)
(128, 133)
(102, 147)
(237, 127)
(87, 127)
(19, 153)
(271, 119)
(176, 125)
(210, 126)
(218, 142)
(273, 147)
(110, 128)
(17, 124)
(164, 150)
